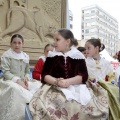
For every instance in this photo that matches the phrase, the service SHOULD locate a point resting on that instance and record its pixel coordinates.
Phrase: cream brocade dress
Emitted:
(14, 97)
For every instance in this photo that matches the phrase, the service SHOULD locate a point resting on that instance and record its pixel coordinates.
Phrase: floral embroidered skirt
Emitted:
(13, 99)
(49, 103)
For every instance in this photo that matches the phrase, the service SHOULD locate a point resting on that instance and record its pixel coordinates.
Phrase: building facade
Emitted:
(71, 19)
(96, 23)
(119, 42)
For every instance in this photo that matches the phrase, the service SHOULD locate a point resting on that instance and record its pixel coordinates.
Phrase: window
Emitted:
(92, 30)
(71, 26)
(92, 17)
(93, 24)
(82, 26)
(87, 24)
(82, 36)
(92, 11)
(71, 18)
(87, 31)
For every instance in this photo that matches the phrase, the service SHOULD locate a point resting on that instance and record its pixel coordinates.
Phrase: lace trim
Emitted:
(73, 53)
(11, 54)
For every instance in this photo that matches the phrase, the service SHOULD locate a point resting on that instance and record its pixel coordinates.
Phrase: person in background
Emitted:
(101, 73)
(64, 94)
(36, 74)
(15, 90)
(83, 50)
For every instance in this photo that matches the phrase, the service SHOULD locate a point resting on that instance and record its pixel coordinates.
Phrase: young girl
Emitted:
(100, 71)
(64, 95)
(98, 68)
(15, 89)
(36, 74)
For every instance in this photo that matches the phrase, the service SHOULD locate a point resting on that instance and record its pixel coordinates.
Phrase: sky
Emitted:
(112, 7)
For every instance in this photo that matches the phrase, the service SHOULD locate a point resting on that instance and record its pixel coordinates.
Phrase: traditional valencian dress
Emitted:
(14, 97)
(101, 72)
(77, 102)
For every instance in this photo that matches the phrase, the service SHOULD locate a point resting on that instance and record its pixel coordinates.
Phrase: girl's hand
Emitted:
(21, 83)
(64, 83)
(26, 81)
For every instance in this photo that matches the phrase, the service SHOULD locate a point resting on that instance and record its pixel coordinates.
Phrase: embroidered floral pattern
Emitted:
(75, 117)
(57, 108)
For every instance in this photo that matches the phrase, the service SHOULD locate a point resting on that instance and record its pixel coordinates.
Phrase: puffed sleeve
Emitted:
(48, 68)
(81, 69)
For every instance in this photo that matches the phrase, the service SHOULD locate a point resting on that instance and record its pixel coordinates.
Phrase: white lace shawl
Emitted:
(12, 54)
(98, 73)
(73, 53)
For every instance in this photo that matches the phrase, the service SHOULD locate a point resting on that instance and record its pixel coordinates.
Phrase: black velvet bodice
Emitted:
(64, 67)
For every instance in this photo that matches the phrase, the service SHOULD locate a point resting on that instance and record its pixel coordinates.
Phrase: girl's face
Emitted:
(60, 43)
(91, 50)
(48, 48)
(16, 44)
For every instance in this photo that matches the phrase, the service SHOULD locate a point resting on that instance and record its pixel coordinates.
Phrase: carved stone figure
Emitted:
(1, 2)
(36, 21)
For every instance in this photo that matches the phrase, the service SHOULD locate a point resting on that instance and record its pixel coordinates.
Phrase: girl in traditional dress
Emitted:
(64, 94)
(15, 88)
(36, 74)
(98, 68)
(101, 72)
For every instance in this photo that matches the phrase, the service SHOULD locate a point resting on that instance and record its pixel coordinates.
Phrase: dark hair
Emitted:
(81, 49)
(48, 45)
(119, 56)
(102, 47)
(67, 34)
(96, 42)
(75, 42)
(17, 36)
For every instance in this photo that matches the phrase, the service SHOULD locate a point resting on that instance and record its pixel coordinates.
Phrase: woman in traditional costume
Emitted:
(15, 88)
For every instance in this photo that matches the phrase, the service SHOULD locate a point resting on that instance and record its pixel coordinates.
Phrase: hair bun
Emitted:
(99, 39)
(102, 47)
